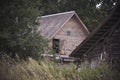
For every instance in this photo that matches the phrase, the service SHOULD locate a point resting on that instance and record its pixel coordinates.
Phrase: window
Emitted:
(68, 33)
(56, 43)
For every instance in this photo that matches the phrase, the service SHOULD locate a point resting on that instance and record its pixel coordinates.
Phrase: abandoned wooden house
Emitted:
(104, 42)
(63, 30)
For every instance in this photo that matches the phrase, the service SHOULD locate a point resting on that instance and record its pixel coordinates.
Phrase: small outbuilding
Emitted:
(65, 31)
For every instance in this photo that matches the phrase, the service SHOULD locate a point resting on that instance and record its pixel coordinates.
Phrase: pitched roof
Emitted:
(51, 24)
(110, 23)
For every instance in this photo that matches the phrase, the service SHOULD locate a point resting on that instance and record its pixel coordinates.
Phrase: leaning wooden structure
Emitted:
(104, 42)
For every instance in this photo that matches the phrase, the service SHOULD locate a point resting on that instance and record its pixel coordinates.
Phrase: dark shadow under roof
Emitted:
(99, 33)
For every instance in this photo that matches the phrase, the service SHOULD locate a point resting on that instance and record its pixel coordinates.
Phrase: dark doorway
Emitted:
(56, 45)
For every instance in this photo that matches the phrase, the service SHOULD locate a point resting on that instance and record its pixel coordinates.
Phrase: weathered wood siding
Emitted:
(110, 46)
(71, 35)
(113, 44)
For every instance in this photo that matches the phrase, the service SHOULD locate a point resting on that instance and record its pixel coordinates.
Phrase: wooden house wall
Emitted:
(96, 51)
(108, 49)
(113, 43)
(69, 42)
(94, 56)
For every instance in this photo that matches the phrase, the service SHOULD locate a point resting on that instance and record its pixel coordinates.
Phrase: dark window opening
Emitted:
(68, 33)
(56, 43)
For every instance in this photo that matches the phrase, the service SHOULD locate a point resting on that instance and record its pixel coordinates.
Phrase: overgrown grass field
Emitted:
(48, 70)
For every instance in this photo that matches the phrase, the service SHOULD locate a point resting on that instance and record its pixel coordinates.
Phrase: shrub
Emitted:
(47, 70)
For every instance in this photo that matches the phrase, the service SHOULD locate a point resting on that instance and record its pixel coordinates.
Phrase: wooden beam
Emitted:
(117, 23)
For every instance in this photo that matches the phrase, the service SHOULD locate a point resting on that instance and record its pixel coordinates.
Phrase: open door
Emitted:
(56, 45)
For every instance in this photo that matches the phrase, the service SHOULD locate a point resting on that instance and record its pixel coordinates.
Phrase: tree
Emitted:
(18, 33)
(18, 27)
(92, 12)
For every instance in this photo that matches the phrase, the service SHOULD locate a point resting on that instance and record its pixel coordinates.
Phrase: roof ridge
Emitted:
(58, 14)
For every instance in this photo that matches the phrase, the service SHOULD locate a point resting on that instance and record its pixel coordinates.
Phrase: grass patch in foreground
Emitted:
(48, 70)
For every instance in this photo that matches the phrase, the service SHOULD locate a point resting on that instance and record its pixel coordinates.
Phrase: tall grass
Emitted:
(48, 70)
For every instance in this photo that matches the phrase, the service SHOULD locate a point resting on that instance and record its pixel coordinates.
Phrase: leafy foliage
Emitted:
(18, 27)
(18, 33)
(87, 10)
